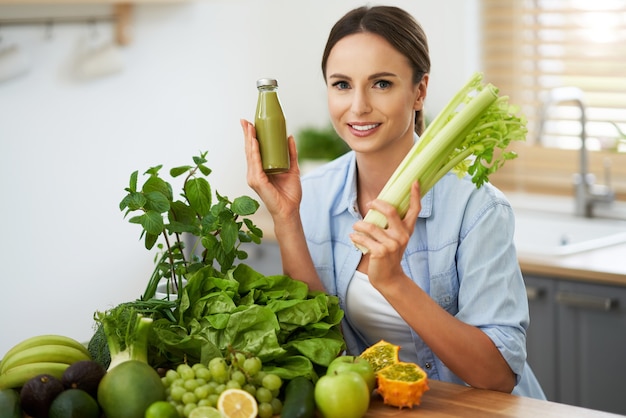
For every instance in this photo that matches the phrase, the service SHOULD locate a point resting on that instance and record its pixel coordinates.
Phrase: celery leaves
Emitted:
(469, 136)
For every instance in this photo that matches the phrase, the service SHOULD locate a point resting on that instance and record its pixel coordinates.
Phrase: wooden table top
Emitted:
(451, 400)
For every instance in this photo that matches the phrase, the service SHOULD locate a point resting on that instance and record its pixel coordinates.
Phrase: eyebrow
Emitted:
(371, 77)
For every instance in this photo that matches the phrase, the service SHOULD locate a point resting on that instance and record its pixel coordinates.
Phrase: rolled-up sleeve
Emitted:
(492, 294)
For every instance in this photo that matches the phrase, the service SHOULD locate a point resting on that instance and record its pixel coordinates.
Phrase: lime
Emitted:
(205, 412)
(74, 403)
(161, 409)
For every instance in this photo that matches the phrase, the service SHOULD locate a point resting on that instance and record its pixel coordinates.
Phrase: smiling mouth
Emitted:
(364, 128)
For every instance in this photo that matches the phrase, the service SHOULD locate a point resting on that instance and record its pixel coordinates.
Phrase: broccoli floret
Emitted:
(99, 348)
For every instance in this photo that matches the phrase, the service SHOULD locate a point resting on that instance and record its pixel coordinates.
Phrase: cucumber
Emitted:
(299, 399)
(10, 404)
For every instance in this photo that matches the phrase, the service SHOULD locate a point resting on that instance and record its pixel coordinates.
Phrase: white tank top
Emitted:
(375, 318)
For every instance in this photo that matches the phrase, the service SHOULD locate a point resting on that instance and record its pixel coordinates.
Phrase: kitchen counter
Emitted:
(603, 266)
(451, 400)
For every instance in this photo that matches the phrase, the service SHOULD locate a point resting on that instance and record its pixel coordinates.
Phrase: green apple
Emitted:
(354, 364)
(342, 395)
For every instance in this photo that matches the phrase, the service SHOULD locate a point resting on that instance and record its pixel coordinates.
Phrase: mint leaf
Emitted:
(177, 171)
(198, 193)
(157, 184)
(152, 222)
(157, 202)
(244, 205)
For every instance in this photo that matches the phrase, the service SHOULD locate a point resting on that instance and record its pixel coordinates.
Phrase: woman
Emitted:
(443, 282)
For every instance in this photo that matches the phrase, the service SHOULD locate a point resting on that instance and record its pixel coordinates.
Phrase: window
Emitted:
(562, 52)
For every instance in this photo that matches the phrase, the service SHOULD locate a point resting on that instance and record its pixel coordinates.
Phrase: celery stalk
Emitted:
(462, 140)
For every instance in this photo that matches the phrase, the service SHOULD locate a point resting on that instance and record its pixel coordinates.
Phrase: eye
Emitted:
(341, 85)
(383, 84)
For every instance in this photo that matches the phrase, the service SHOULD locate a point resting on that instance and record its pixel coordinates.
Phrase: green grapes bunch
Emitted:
(190, 386)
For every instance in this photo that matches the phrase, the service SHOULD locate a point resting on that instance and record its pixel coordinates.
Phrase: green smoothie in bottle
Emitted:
(271, 128)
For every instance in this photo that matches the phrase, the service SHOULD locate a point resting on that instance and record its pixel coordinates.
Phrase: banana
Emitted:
(52, 353)
(46, 339)
(19, 375)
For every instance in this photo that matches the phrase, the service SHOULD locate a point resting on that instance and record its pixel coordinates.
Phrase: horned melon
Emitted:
(400, 384)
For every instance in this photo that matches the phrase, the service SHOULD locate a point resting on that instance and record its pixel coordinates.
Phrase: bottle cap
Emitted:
(266, 82)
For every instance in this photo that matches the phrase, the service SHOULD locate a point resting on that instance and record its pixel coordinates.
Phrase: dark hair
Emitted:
(397, 27)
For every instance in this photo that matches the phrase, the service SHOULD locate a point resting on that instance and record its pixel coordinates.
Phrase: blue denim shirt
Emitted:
(461, 254)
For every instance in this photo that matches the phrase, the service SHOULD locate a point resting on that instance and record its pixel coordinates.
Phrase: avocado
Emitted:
(38, 393)
(85, 375)
(10, 404)
(74, 403)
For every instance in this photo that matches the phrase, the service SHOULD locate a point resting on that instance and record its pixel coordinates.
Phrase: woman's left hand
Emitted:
(386, 246)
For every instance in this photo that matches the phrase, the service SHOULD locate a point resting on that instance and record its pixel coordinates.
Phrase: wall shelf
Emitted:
(100, 2)
(121, 14)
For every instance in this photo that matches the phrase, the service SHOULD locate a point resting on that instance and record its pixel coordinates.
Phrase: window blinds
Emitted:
(533, 46)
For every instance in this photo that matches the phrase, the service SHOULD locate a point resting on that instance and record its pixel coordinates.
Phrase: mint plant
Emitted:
(217, 225)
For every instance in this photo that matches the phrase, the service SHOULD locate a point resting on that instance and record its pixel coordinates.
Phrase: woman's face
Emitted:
(371, 95)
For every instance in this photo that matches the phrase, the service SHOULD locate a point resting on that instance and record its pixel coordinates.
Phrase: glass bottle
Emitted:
(271, 128)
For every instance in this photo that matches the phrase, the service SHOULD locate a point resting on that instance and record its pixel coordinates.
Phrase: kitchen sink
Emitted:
(556, 234)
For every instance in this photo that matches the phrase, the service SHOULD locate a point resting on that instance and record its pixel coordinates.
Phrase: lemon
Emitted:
(74, 403)
(205, 412)
(161, 409)
(237, 403)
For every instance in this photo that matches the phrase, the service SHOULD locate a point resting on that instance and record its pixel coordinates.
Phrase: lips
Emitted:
(361, 129)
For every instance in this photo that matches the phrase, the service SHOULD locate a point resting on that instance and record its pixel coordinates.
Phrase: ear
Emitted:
(422, 88)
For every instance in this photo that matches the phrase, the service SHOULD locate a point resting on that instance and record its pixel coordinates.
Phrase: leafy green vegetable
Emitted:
(463, 137)
(221, 305)
(218, 227)
(276, 318)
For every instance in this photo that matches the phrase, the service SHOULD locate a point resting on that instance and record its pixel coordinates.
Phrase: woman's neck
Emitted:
(373, 171)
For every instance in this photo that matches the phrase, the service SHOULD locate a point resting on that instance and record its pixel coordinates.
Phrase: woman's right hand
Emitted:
(282, 192)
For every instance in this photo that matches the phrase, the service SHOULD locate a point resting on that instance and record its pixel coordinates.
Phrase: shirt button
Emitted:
(427, 366)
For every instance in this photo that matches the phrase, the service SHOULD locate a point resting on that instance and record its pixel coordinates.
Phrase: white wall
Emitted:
(67, 147)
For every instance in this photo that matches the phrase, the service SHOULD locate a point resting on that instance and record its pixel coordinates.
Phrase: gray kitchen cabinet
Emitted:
(592, 337)
(577, 342)
(541, 335)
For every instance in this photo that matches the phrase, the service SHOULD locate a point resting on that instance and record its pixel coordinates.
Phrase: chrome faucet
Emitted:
(586, 192)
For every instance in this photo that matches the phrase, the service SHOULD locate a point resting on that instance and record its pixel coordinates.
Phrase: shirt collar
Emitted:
(348, 201)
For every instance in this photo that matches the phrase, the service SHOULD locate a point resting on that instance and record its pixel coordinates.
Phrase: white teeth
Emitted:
(364, 127)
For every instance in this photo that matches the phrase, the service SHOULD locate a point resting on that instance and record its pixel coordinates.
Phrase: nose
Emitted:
(360, 103)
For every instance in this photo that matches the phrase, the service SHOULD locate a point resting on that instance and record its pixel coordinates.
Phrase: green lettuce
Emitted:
(294, 331)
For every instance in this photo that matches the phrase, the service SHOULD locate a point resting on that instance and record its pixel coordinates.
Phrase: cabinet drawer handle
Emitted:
(575, 300)
(535, 293)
